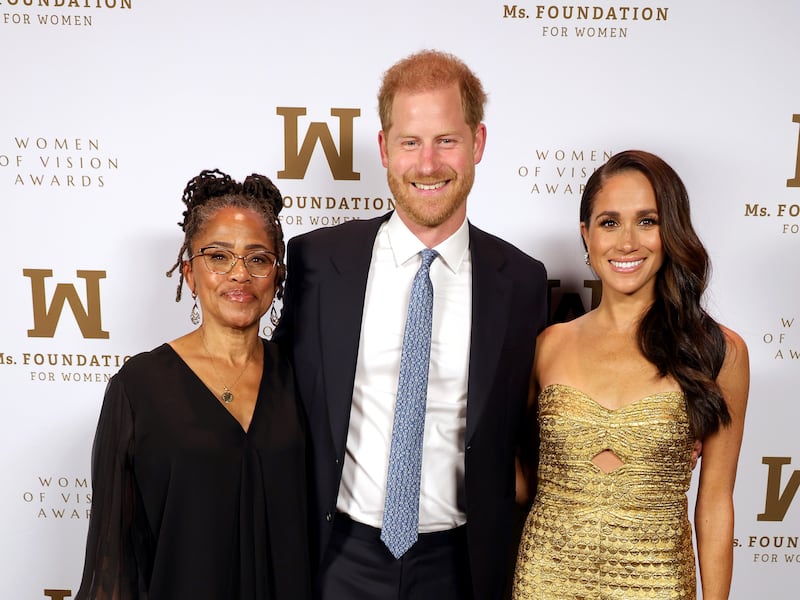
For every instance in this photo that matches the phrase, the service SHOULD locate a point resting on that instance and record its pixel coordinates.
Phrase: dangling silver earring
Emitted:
(274, 317)
(195, 314)
(586, 258)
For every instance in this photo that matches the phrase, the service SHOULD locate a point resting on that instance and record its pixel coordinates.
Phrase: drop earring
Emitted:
(274, 317)
(195, 314)
(586, 258)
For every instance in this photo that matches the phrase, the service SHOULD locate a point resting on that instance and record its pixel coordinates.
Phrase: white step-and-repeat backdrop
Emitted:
(110, 106)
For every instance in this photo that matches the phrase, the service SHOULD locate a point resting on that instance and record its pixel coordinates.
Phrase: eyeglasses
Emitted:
(220, 261)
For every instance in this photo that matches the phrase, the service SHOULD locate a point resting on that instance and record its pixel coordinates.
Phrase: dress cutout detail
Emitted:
(625, 534)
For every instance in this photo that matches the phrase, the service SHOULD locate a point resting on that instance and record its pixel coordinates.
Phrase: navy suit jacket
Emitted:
(321, 326)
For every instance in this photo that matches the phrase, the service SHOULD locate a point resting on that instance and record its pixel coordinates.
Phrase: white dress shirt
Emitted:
(395, 261)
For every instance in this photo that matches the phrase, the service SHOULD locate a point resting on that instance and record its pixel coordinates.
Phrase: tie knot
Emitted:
(428, 256)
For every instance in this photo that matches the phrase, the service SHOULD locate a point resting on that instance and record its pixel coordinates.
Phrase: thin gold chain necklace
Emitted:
(227, 394)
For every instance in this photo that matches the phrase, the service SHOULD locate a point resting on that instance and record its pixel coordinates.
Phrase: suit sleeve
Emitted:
(285, 329)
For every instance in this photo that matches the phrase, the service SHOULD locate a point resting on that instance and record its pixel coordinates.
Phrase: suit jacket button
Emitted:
(328, 517)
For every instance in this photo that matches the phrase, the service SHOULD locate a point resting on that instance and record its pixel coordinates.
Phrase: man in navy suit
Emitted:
(344, 315)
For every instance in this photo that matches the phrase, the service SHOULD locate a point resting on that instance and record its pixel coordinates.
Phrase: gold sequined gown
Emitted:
(592, 535)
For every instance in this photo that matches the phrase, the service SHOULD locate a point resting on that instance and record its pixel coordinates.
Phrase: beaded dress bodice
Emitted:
(597, 535)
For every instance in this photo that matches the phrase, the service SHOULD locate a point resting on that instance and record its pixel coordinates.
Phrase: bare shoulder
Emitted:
(735, 342)
(734, 377)
(553, 342)
(570, 332)
(554, 335)
(736, 353)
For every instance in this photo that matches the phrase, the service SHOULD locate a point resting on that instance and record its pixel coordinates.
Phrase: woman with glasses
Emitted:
(198, 465)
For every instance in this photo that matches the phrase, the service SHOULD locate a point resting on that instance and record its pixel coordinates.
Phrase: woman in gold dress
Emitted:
(621, 394)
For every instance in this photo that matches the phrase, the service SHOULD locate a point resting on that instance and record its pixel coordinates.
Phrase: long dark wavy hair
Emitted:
(676, 334)
(213, 190)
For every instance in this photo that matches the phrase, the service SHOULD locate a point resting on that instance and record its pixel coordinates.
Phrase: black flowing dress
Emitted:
(186, 504)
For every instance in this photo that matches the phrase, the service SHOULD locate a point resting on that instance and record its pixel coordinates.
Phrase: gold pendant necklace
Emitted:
(227, 394)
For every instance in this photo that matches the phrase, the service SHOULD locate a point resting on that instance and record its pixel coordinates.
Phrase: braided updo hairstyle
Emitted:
(213, 190)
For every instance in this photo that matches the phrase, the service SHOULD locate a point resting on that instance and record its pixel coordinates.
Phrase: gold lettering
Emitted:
(777, 502)
(795, 181)
(45, 320)
(298, 157)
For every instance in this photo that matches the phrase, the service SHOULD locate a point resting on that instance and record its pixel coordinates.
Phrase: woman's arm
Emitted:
(528, 457)
(714, 507)
(110, 570)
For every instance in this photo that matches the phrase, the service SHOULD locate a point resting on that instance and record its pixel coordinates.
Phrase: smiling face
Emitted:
(430, 155)
(623, 235)
(235, 299)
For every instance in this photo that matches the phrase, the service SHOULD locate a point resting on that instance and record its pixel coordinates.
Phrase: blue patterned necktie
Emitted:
(401, 511)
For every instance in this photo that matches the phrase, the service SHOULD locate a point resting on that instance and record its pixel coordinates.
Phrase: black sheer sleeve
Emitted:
(111, 569)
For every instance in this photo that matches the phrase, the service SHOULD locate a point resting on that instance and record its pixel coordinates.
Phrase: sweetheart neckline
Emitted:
(596, 403)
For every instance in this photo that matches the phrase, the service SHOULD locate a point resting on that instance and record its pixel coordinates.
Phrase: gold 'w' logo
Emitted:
(777, 502)
(298, 157)
(45, 320)
(795, 181)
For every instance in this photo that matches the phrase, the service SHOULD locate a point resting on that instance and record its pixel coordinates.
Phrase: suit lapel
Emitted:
(491, 297)
(341, 311)
(342, 307)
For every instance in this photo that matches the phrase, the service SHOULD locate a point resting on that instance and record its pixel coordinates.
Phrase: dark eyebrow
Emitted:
(613, 214)
(229, 246)
(608, 213)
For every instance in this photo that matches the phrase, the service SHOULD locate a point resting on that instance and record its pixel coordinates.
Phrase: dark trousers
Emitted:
(357, 566)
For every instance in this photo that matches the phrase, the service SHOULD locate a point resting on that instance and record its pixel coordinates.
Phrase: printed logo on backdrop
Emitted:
(58, 499)
(75, 304)
(773, 543)
(782, 343)
(560, 173)
(597, 21)
(56, 163)
(46, 318)
(795, 181)
(55, 307)
(557, 175)
(779, 545)
(297, 156)
(54, 594)
(785, 211)
(322, 203)
(72, 14)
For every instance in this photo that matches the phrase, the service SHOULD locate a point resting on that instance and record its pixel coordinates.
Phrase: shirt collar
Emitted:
(405, 245)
